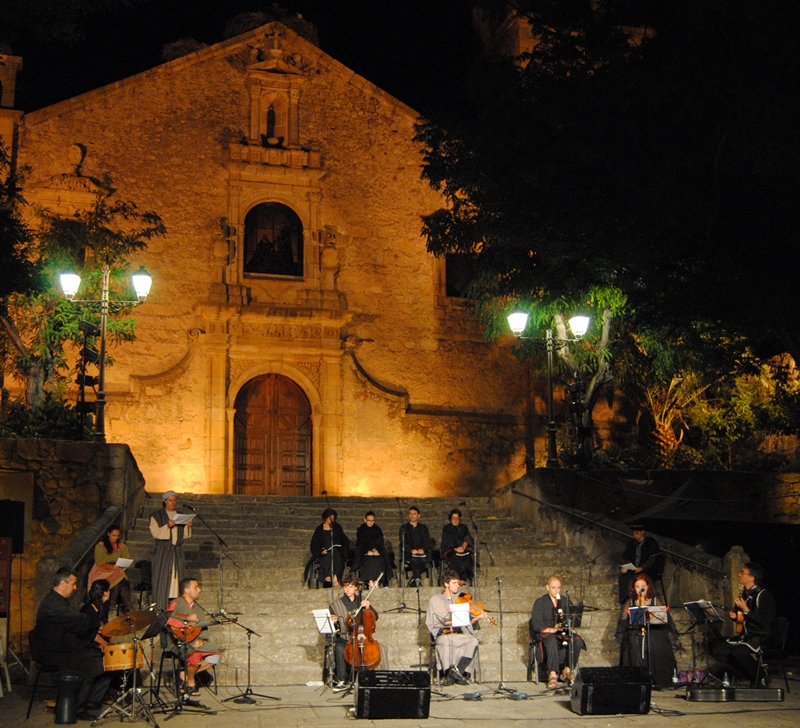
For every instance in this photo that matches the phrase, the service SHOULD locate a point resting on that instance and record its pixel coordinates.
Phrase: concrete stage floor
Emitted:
(302, 705)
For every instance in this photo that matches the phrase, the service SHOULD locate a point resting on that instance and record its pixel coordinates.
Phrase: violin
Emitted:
(476, 609)
(362, 650)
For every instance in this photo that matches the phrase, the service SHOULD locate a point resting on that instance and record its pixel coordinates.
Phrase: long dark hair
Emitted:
(99, 587)
(107, 541)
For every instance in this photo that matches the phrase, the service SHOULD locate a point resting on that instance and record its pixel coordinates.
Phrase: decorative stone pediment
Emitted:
(274, 83)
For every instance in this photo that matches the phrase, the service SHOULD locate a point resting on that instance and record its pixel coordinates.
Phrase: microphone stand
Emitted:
(221, 543)
(402, 569)
(247, 697)
(570, 638)
(501, 688)
(330, 550)
(474, 549)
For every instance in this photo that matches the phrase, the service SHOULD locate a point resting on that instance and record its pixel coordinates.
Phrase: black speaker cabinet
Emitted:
(611, 690)
(12, 523)
(393, 694)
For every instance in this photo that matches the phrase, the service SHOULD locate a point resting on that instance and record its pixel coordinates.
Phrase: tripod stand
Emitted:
(247, 697)
(502, 688)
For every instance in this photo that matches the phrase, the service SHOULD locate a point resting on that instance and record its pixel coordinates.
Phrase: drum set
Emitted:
(127, 658)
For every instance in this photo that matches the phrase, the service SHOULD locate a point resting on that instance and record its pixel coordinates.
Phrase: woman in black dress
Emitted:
(330, 546)
(372, 560)
(458, 546)
(646, 646)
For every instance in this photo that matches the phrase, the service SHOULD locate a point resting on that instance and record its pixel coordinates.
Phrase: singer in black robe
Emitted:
(372, 559)
(651, 647)
(458, 546)
(330, 547)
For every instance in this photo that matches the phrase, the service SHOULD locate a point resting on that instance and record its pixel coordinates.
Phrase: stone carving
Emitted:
(312, 370)
(176, 370)
(237, 366)
(280, 331)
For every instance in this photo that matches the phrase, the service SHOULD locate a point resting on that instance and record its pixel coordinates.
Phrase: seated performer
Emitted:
(201, 654)
(106, 553)
(371, 557)
(757, 605)
(330, 545)
(547, 629)
(346, 604)
(642, 646)
(416, 546)
(63, 637)
(644, 553)
(455, 646)
(457, 546)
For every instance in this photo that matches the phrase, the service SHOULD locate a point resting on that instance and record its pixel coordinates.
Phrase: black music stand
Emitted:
(702, 612)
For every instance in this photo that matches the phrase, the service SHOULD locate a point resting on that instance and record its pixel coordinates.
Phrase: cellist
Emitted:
(346, 604)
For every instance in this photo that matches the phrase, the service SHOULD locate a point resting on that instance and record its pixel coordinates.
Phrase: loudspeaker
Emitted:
(12, 523)
(393, 694)
(611, 690)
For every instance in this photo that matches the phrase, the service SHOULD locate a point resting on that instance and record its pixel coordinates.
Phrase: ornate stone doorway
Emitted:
(272, 438)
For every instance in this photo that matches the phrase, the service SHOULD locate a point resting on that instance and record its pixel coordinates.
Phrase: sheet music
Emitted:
(322, 618)
(123, 563)
(461, 615)
(183, 518)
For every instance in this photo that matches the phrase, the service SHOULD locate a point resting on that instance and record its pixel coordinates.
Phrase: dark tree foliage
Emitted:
(649, 146)
(17, 272)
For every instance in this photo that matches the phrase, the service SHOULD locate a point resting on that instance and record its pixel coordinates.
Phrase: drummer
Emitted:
(202, 655)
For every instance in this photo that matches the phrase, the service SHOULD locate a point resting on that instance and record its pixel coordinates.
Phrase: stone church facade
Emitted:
(297, 337)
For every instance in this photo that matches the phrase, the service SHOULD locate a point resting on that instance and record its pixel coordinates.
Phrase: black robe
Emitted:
(653, 649)
(647, 560)
(453, 536)
(338, 547)
(416, 537)
(370, 567)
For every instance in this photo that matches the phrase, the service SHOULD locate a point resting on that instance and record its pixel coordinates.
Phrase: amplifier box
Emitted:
(393, 694)
(611, 690)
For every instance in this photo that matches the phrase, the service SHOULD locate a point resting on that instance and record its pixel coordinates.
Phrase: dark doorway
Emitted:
(272, 438)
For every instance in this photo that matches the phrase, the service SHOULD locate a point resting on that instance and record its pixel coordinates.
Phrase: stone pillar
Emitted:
(216, 412)
(331, 426)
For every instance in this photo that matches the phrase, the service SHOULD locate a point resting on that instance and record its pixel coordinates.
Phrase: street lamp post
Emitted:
(518, 320)
(70, 282)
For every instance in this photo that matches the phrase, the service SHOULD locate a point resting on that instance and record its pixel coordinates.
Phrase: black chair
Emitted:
(535, 659)
(175, 652)
(774, 650)
(41, 667)
(145, 585)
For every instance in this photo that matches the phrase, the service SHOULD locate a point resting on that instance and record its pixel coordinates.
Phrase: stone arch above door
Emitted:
(272, 438)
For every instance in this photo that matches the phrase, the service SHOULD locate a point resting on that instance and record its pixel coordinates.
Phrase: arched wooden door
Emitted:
(272, 438)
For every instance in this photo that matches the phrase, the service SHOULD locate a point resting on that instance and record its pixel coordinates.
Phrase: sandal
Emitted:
(552, 683)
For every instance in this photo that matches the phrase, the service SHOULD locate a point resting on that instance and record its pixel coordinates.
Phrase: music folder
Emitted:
(322, 618)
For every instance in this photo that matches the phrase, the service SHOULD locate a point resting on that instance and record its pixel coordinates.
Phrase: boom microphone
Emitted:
(186, 505)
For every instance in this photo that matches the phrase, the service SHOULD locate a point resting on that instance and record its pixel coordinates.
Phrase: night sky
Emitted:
(416, 50)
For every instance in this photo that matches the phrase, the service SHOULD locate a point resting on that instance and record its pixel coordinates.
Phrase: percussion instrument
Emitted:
(120, 657)
(126, 624)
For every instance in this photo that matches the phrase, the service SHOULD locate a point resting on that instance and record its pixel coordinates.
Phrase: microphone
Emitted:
(497, 579)
(641, 591)
(186, 505)
(558, 597)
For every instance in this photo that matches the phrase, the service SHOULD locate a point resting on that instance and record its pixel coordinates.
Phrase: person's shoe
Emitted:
(86, 715)
(765, 680)
(455, 673)
(552, 683)
(340, 686)
(447, 680)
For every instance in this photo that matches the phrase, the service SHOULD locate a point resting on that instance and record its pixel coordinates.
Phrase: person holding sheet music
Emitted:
(456, 645)
(647, 637)
(330, 545)
(641, 556)
(168, 557)
(106, 554)
(346, 604)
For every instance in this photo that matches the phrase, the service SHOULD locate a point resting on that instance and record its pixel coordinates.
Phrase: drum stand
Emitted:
(131, 703)
(247, 696)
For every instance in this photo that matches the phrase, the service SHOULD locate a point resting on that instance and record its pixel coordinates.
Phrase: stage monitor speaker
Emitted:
(393, 694)
(611, 690)
(12, 523)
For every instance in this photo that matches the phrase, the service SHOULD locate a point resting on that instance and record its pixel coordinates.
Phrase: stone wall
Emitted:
(72, 483)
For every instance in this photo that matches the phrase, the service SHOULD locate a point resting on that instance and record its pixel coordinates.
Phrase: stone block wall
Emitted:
(73, 483)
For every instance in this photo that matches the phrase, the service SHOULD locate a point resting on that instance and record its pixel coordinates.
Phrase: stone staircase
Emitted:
(268, 547)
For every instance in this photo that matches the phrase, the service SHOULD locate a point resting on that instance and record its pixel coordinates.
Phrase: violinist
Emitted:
(455, 646)
(201, 654)
(548, 631)
(348, 603)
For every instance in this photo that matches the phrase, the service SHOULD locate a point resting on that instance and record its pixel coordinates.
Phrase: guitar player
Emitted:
(755, 607)
(185, 622)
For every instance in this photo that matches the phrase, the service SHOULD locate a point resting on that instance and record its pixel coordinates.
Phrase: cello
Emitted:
(365, 653)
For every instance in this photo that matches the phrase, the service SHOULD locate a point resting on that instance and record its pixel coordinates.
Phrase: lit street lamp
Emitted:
(70, 283)
(517, 321)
